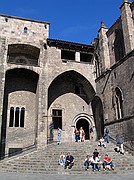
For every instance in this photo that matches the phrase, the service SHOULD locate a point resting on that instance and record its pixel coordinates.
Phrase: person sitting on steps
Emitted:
(62, 159)
(102, 142)
(108, 164)
(69, 162)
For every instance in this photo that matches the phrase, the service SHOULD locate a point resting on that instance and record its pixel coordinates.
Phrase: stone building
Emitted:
(114, 60)
(47, 83)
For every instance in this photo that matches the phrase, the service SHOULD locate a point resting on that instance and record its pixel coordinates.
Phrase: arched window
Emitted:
(22, 115)
(17, 113)
(17, 117)
(119, 48)
(119, 103)
(11, 120)
(25, 30)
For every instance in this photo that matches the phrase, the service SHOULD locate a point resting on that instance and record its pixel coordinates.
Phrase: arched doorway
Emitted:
(85, 124)
(86, 121)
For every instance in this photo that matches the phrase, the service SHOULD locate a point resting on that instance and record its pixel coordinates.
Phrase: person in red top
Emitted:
(108, 163)
(76, 132)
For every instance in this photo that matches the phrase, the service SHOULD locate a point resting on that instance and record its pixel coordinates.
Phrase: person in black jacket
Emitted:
(69, 161)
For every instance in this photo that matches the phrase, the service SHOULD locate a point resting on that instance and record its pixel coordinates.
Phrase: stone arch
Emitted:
(73, 81)
(86, 121)
(21, 89)
(23, 54)
(69, 87)
(119, 103)
(97, 108)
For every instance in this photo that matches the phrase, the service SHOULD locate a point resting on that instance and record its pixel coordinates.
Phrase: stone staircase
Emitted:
(45, 160)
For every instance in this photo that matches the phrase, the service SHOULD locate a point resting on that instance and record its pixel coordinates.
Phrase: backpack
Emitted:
(91, 130)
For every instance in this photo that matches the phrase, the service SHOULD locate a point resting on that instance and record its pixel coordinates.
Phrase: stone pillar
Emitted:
(103, 45)
(77, 56)
(127, 25)
(2, 82)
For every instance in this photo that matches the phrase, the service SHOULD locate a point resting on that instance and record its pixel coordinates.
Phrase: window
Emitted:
(17, 113)
(17, 117)
(11, 121)
(14, 151)
(119, 48)
(70, 55)
(22, 115)
(79, 90)
(86, 57)
(119, 103)
(25, 30)
(57, 118)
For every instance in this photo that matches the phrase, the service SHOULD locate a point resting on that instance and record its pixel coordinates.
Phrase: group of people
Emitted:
(105, 139)
(66, 161)
(95, 162)
(80, 134)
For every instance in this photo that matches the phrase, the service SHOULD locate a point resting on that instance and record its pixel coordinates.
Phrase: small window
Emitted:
(57, 118)
(25, 30)
(11, 121)
(86, 57)
(14, 151)
(17, 114)
(6, 19)
(70, 55)
(22, 115)
(79, 90)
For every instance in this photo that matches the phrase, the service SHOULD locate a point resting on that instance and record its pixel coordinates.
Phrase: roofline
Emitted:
(25, 19)
(68, 42)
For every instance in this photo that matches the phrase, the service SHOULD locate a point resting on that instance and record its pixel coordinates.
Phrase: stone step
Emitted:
(45, 160)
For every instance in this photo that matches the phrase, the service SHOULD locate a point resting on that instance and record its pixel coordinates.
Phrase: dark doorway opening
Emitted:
(97, 108)
(83, 123)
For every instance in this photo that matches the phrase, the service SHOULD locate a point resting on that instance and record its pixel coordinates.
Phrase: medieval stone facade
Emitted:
(115, 75)
(47, 83)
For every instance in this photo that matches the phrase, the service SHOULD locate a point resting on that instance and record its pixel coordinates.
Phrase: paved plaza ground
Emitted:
(26, 176)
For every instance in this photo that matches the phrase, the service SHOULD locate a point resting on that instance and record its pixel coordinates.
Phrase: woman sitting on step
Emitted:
(62, 159)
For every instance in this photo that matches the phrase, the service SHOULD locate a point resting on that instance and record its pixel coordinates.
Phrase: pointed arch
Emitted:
(119, 48)
(70, 81)
(20, 91)
(97, 108)
(118, 103)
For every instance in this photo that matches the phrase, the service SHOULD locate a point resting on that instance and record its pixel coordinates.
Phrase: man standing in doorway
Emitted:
(91, 134)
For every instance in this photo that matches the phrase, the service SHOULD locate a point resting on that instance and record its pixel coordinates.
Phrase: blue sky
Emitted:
(70, 20)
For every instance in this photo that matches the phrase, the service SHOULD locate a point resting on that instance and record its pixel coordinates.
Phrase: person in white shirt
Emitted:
(62, 159)
(102, 142)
